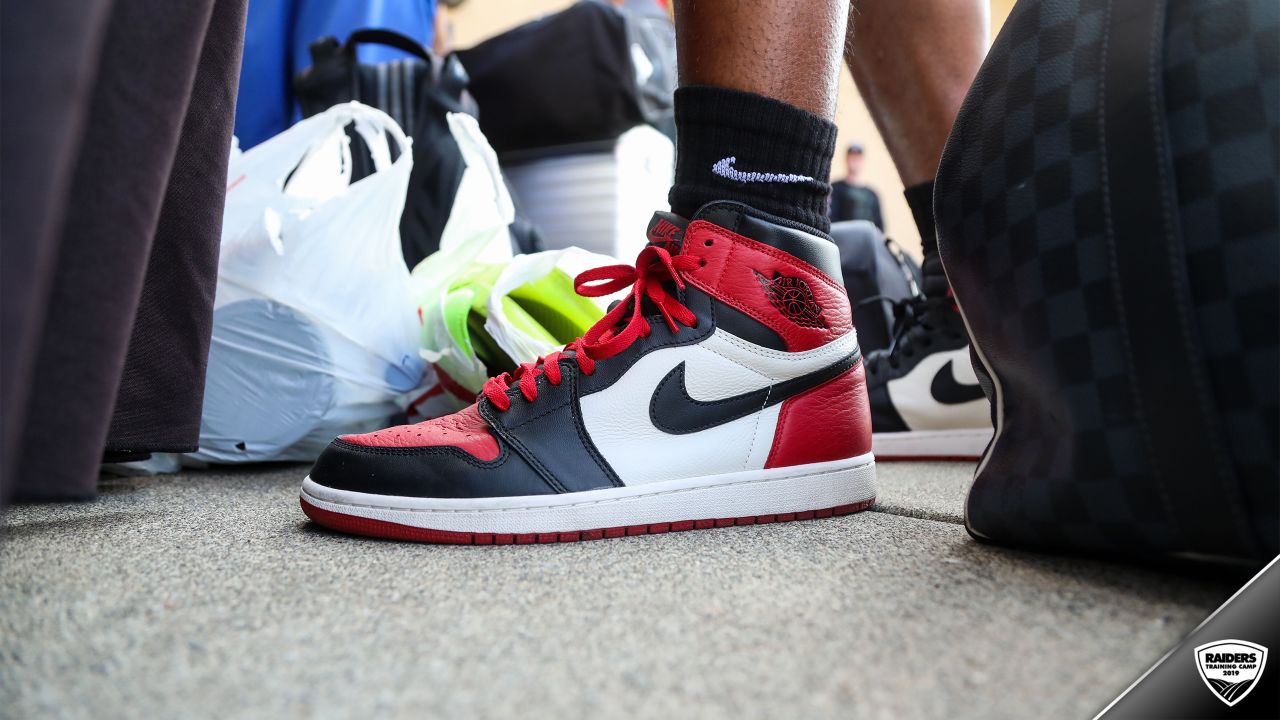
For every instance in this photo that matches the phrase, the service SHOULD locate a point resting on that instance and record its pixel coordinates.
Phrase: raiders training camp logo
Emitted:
(1230, 667)
(793, 298)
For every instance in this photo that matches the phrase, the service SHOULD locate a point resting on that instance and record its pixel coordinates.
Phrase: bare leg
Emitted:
(913, 62)
(788, 50)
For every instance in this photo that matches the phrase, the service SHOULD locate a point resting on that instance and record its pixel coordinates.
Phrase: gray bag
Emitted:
(879, 278)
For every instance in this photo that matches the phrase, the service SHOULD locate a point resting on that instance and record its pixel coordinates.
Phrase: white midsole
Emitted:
(931, 443)
(771, 491)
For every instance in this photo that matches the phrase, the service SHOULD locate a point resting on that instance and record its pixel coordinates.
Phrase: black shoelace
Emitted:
(917, 321)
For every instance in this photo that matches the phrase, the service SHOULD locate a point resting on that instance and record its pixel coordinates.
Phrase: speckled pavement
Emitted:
(209, 595)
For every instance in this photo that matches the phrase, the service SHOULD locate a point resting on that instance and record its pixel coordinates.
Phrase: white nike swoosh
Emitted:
(724, 168)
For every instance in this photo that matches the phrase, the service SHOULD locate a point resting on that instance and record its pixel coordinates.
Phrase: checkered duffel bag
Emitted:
(1107, 213)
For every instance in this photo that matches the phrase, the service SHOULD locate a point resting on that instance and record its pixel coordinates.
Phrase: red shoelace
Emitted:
(654, 269)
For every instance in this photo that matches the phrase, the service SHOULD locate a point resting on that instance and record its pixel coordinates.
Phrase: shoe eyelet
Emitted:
(702, 262)
(709, 243)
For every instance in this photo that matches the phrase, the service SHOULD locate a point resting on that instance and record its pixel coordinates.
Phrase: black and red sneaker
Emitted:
(726, 389)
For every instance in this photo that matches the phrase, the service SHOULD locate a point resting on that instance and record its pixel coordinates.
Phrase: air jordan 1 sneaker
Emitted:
(725, 388)
(926, 400)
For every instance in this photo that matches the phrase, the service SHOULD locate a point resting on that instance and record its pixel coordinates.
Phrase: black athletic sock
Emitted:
(920, 200)
(734, 145)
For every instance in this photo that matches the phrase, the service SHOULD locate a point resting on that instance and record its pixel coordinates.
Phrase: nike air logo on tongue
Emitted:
(665, 227)
(725, 169)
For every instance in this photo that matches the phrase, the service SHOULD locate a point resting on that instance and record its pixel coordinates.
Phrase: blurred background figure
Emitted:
(851, 199)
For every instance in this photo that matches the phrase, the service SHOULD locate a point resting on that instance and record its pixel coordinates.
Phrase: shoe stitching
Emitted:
(428, 450)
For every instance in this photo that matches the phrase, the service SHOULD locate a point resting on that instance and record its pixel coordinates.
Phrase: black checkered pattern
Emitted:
(1222, 94)
(1020, 213)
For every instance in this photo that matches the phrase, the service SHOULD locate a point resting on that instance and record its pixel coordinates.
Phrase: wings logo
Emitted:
(793, 298)
(1230, 668)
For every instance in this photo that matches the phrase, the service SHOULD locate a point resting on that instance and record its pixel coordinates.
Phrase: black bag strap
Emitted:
(390, 38)
(1187, 455)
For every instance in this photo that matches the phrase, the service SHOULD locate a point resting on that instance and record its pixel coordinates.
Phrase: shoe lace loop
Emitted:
(655, 270)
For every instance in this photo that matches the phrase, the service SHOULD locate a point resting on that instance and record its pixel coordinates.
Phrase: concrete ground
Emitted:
(209, 594)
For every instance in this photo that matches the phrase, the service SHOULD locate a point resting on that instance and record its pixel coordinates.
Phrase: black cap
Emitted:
(855, 148)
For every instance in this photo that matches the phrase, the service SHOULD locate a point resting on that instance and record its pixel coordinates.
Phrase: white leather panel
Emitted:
(777, 364)
(721, 366)
(766, 426)
(914, 401)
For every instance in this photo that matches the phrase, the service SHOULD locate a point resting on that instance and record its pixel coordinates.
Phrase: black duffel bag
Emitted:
(418, 94)
(588, 73)
(1107, 215)
(880, 279)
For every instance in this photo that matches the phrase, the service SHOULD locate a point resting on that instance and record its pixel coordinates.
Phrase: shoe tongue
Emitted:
(666, 227)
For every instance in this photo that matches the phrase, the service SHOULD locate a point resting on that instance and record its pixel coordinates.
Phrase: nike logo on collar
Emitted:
(725, 169)
(947, 391)
(674, 412)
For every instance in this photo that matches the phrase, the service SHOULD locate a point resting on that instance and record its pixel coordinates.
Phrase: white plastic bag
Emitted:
(521, 345)
(476, 246)
(316, 330)
(476, 233)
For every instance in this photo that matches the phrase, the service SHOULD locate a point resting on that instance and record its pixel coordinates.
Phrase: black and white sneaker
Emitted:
(926, 401)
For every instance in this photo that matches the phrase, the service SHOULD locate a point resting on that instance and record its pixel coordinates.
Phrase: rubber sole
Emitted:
(931, 444)
(744, 498)
(393, 531)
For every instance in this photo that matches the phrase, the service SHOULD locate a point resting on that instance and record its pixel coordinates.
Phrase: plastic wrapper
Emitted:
(316, 331)
(483, 309)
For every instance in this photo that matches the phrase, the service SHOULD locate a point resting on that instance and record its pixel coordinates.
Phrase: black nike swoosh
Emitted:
(947, 391)
(672, 410)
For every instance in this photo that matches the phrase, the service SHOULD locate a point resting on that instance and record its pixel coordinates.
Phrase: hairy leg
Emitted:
(788, 50)
(913, 62)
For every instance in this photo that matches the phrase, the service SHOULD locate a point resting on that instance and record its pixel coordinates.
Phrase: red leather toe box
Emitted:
(465, 430)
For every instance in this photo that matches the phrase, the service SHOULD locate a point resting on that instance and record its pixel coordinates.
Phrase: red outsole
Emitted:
(395, 531)
(928, 458)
